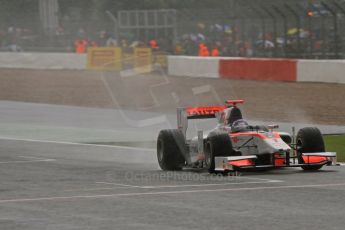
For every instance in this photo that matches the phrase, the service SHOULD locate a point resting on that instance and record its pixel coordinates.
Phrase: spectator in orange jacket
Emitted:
(203, 50)
(153, 44)
(93, 44)
(215, 52)
(80, 46)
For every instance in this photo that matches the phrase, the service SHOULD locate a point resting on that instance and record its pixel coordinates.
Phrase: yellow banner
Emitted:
(161, 59)
(104, 58)
(142, 60)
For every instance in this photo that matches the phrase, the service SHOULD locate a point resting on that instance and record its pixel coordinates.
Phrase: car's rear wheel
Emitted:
(309, 140)
(217, 144)
(171, 149)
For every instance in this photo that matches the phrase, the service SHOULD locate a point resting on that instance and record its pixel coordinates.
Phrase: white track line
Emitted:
(33, 160)
(164, 193)
(191, 185)
(36, 158)
(74, 143)
(127, 186)
(94, 189)
(207, 185)
(255, 178)
(29, 161)
(31, 157)
(122, 185)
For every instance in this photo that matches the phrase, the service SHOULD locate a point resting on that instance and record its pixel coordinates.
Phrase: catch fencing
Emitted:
(290, 29)
(246, 28)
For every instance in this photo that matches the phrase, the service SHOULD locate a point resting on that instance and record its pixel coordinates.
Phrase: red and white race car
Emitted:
(234, 144)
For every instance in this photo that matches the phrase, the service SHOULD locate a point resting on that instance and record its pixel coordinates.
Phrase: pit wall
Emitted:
(261, 69)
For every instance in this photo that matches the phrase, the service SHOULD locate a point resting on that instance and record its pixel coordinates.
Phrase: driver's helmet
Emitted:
(240, 123)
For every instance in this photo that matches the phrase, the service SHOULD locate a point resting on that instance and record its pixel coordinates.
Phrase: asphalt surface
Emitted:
(20, 120)
(71, 186)
(50, 178)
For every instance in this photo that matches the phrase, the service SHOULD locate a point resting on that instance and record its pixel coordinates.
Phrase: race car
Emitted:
(236, 145)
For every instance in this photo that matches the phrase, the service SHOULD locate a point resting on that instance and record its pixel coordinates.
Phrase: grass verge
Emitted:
(336, 143)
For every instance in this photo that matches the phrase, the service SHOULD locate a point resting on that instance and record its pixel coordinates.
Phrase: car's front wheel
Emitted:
(309, 140)
(217, 144)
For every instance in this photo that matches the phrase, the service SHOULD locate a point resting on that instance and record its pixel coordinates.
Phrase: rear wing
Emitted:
(200, 112)
(203, 112)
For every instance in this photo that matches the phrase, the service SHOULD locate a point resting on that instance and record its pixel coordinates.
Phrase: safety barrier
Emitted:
(43, 60)
(329, 71)
(193, 66)
(141, 60)
(291, 70)
(207, 67)
(104, 58)
(258, 69)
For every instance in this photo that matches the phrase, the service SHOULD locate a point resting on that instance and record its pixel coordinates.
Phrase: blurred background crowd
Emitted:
(243, 28)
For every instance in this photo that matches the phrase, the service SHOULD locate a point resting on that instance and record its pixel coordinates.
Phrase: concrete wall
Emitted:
(331, 71)
(43, 60)
(293, 70)
(258, 69)
(193, 66)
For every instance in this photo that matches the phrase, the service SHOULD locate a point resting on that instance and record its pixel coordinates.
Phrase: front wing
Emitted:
(248, 162)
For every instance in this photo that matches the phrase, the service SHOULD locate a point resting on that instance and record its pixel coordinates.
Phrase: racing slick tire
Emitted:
(171, 149)
(217, 144)
(309, 140)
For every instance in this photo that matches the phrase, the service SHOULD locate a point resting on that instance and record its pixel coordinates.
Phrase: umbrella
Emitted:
(280, 40)
(227, 29)
(304, 34)
(268, 44)
(201, 37)
(293, 31)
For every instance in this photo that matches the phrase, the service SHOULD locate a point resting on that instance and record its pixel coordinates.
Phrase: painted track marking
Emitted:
(28, 161)
(164, 193)
(206, 185)
(75, 143)
(191, 185)
(94, 189)
(32, 160)
(127, 186)
(121, 185)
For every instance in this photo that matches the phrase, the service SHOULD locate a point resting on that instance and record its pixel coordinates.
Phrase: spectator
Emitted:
(153, 44)
(81, 33)
(203, 50)
(12, 39)
(80, 46)
(102, 38)
(93, 44)
(215, 52)
(111, 42)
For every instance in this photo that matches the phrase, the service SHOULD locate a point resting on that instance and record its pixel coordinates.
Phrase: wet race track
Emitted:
(68, 186)
(51, 177)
